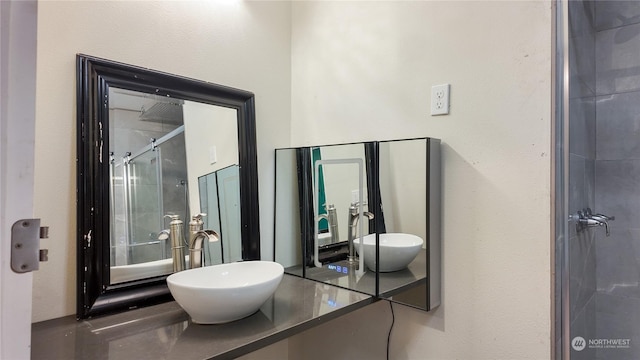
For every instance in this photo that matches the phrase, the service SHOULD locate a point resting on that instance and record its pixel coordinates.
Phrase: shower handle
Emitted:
(586, 219)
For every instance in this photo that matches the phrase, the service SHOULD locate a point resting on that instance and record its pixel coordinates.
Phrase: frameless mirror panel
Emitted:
(318, 215)
(317, 188)
(290, 173)
(409, 178)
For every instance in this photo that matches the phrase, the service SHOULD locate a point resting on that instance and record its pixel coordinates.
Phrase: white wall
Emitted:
(234, 43)
(207, 126)
(363, 71)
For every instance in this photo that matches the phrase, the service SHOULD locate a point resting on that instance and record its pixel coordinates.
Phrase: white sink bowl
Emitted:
(397, 250)
(223, 293)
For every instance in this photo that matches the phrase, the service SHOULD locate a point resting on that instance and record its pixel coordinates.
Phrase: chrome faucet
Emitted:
(197, 236)
(354, 216)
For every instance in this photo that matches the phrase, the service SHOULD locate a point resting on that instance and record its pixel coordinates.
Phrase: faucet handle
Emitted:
(357, 203)
(603, 217)
(198, 216)
(163, 235)
(330, 207)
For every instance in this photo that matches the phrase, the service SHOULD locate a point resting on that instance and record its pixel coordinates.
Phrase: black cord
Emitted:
(393, 321)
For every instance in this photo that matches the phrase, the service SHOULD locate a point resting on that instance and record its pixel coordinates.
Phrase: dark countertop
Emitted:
(390, 283)
(165, 332)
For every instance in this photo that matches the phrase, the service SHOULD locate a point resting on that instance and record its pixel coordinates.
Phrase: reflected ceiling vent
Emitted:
(166, 112)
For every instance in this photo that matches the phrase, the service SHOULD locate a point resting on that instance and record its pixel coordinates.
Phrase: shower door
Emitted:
(144, 207)
(601, 292)
(146, 186)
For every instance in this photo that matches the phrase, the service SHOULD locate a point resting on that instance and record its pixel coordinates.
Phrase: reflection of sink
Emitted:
(396, 250)
(223, 293)
(124, 273)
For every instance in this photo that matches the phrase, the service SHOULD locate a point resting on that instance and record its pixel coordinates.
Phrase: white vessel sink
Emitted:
(397, 250)
(223, 293)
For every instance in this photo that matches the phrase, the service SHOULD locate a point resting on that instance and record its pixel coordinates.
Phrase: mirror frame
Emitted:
(95, 295)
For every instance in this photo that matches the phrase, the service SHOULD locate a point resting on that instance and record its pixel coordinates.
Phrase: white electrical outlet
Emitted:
(440, 99)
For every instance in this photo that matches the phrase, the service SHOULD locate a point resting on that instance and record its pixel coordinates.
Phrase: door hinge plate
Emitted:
(25, 245)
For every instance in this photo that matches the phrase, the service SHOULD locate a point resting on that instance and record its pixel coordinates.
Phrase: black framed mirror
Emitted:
(138, 135)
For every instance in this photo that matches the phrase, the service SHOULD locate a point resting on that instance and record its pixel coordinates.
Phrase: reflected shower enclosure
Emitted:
(148, 174)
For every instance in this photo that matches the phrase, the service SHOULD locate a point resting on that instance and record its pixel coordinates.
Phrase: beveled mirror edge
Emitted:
(434, 223)
(95, 296)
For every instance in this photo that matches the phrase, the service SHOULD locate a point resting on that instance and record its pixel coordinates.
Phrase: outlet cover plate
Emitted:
(440, 99)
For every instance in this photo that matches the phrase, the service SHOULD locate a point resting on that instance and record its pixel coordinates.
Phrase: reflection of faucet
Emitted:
(332, 219)
(197, 236)
(354, 216)
(197, 244)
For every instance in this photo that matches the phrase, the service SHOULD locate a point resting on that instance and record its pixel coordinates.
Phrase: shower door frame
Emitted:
(560, 304)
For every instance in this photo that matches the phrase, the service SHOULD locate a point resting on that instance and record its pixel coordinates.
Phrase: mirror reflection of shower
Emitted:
(147, 182)
(159, 148)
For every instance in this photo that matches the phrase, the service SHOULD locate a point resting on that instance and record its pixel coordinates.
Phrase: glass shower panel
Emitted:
(175, 189)
(145, 208)
(602, 295)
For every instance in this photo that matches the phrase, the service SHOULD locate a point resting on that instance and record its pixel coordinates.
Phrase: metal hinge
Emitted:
(25, 245)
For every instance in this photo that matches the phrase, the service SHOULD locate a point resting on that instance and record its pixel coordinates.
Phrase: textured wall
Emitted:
(363, 71)
(328, 72)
